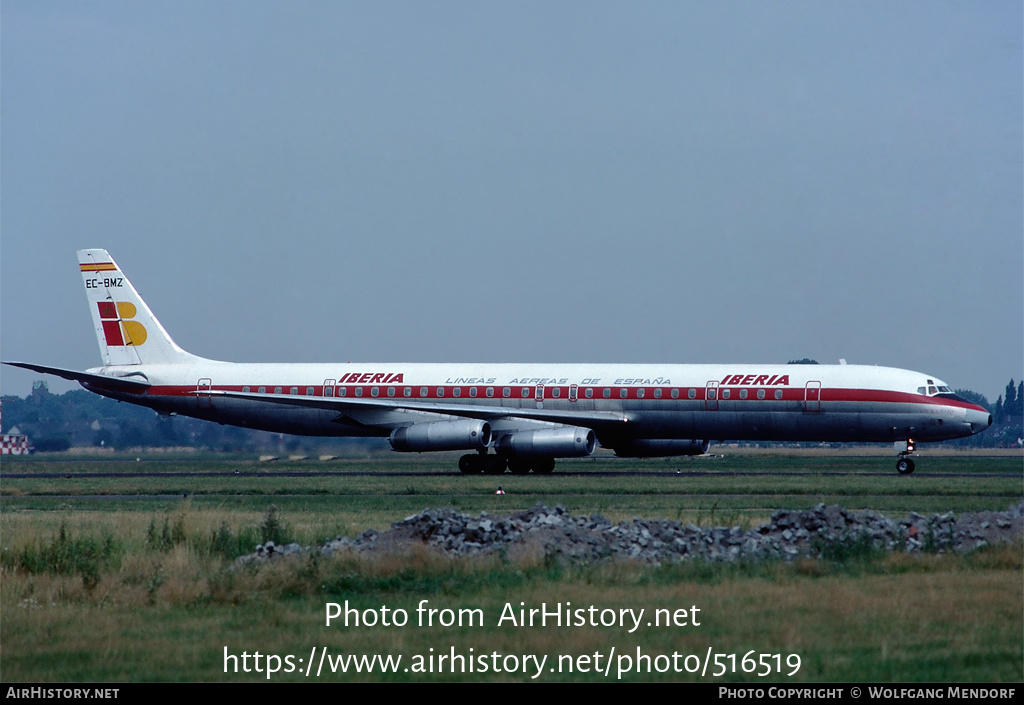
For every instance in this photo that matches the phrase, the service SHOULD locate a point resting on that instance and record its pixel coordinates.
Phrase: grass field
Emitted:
(121, 570)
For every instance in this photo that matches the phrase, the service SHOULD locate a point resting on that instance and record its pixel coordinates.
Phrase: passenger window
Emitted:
(725, 393)
(506, 392)
(556, 392)
(407, 392)
(328, 391)
(309, 391)
(472, 391)
(245, 389)
(588, 393)
(657, 393)
(760, 394)
(525, 392)
(457, 392)
(359, 391)
(391, 391)
(675, 393)
(640, 393)
(374, 391)
(262, 390)
(607, 393)
(424, 391)
(277, 390)
(440, 391)
(490, 391)
(623, 393)
(342, 391)
(743, 394)
(778, 393)
(691, 394)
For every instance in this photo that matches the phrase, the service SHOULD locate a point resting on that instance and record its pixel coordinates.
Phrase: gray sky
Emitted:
(521, 182)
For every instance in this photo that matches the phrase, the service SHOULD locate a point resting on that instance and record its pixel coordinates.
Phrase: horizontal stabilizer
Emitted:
(133, 385)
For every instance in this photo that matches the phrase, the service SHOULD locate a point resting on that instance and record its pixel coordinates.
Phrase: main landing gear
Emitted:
(476, 463)
(905, 464)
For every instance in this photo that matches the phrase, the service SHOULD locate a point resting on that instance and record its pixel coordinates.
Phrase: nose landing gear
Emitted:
(905, 464)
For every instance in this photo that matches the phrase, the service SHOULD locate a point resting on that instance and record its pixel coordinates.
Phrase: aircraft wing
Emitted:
(135, 385)
(470, 411)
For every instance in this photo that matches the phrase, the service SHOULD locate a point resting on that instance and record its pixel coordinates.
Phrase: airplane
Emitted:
(515, 417)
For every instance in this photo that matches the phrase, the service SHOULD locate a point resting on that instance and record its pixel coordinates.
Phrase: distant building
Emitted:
(12, 443)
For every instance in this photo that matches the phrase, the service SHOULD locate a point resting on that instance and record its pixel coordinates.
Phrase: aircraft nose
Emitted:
(979, 419)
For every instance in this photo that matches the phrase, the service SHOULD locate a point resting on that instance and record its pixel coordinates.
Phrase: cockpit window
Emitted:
(936, 389)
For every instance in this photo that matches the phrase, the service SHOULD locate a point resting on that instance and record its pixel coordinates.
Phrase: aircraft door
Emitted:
(711, 396)
(812, 396)
(203, 387)
(540, 396)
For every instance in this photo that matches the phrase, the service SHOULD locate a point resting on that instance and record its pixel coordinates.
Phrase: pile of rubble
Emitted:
(829, 531)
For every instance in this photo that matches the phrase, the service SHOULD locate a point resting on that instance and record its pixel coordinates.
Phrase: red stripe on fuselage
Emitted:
(632, 394)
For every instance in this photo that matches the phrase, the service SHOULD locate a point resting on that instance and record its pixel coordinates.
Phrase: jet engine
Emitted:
(442, 435)
(563, 442)
(660, 447)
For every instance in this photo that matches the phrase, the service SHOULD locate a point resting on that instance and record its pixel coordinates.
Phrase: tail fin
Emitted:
(127, 331)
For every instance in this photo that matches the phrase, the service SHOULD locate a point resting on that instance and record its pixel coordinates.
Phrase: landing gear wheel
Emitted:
(471, 464)
(904, 466)
(518, 467)
(493, 465)
(544, 466)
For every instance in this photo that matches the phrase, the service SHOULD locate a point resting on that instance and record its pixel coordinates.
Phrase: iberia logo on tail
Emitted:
(118, 328)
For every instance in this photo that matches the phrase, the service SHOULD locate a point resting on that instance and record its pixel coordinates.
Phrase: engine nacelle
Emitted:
(562, 442)
(442, 435)
(660, 448)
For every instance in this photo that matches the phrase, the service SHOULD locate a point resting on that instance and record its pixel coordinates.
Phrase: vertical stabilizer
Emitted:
(127, 331)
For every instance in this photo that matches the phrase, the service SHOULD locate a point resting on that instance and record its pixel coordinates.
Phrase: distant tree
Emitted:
(803, 361)
(1007, 418)
(210, 436)
(1014, 404)
(1010, 404)
(103, 438)
(51, 444)
(234, 440)
(165, 433)
(973, 397)
(132, 435)
(84, 419)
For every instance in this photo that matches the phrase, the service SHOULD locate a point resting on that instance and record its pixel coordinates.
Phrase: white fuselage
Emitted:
(733, 401)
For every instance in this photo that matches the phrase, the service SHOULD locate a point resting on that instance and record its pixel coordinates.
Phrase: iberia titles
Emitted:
(755, 380)
(372, 378)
